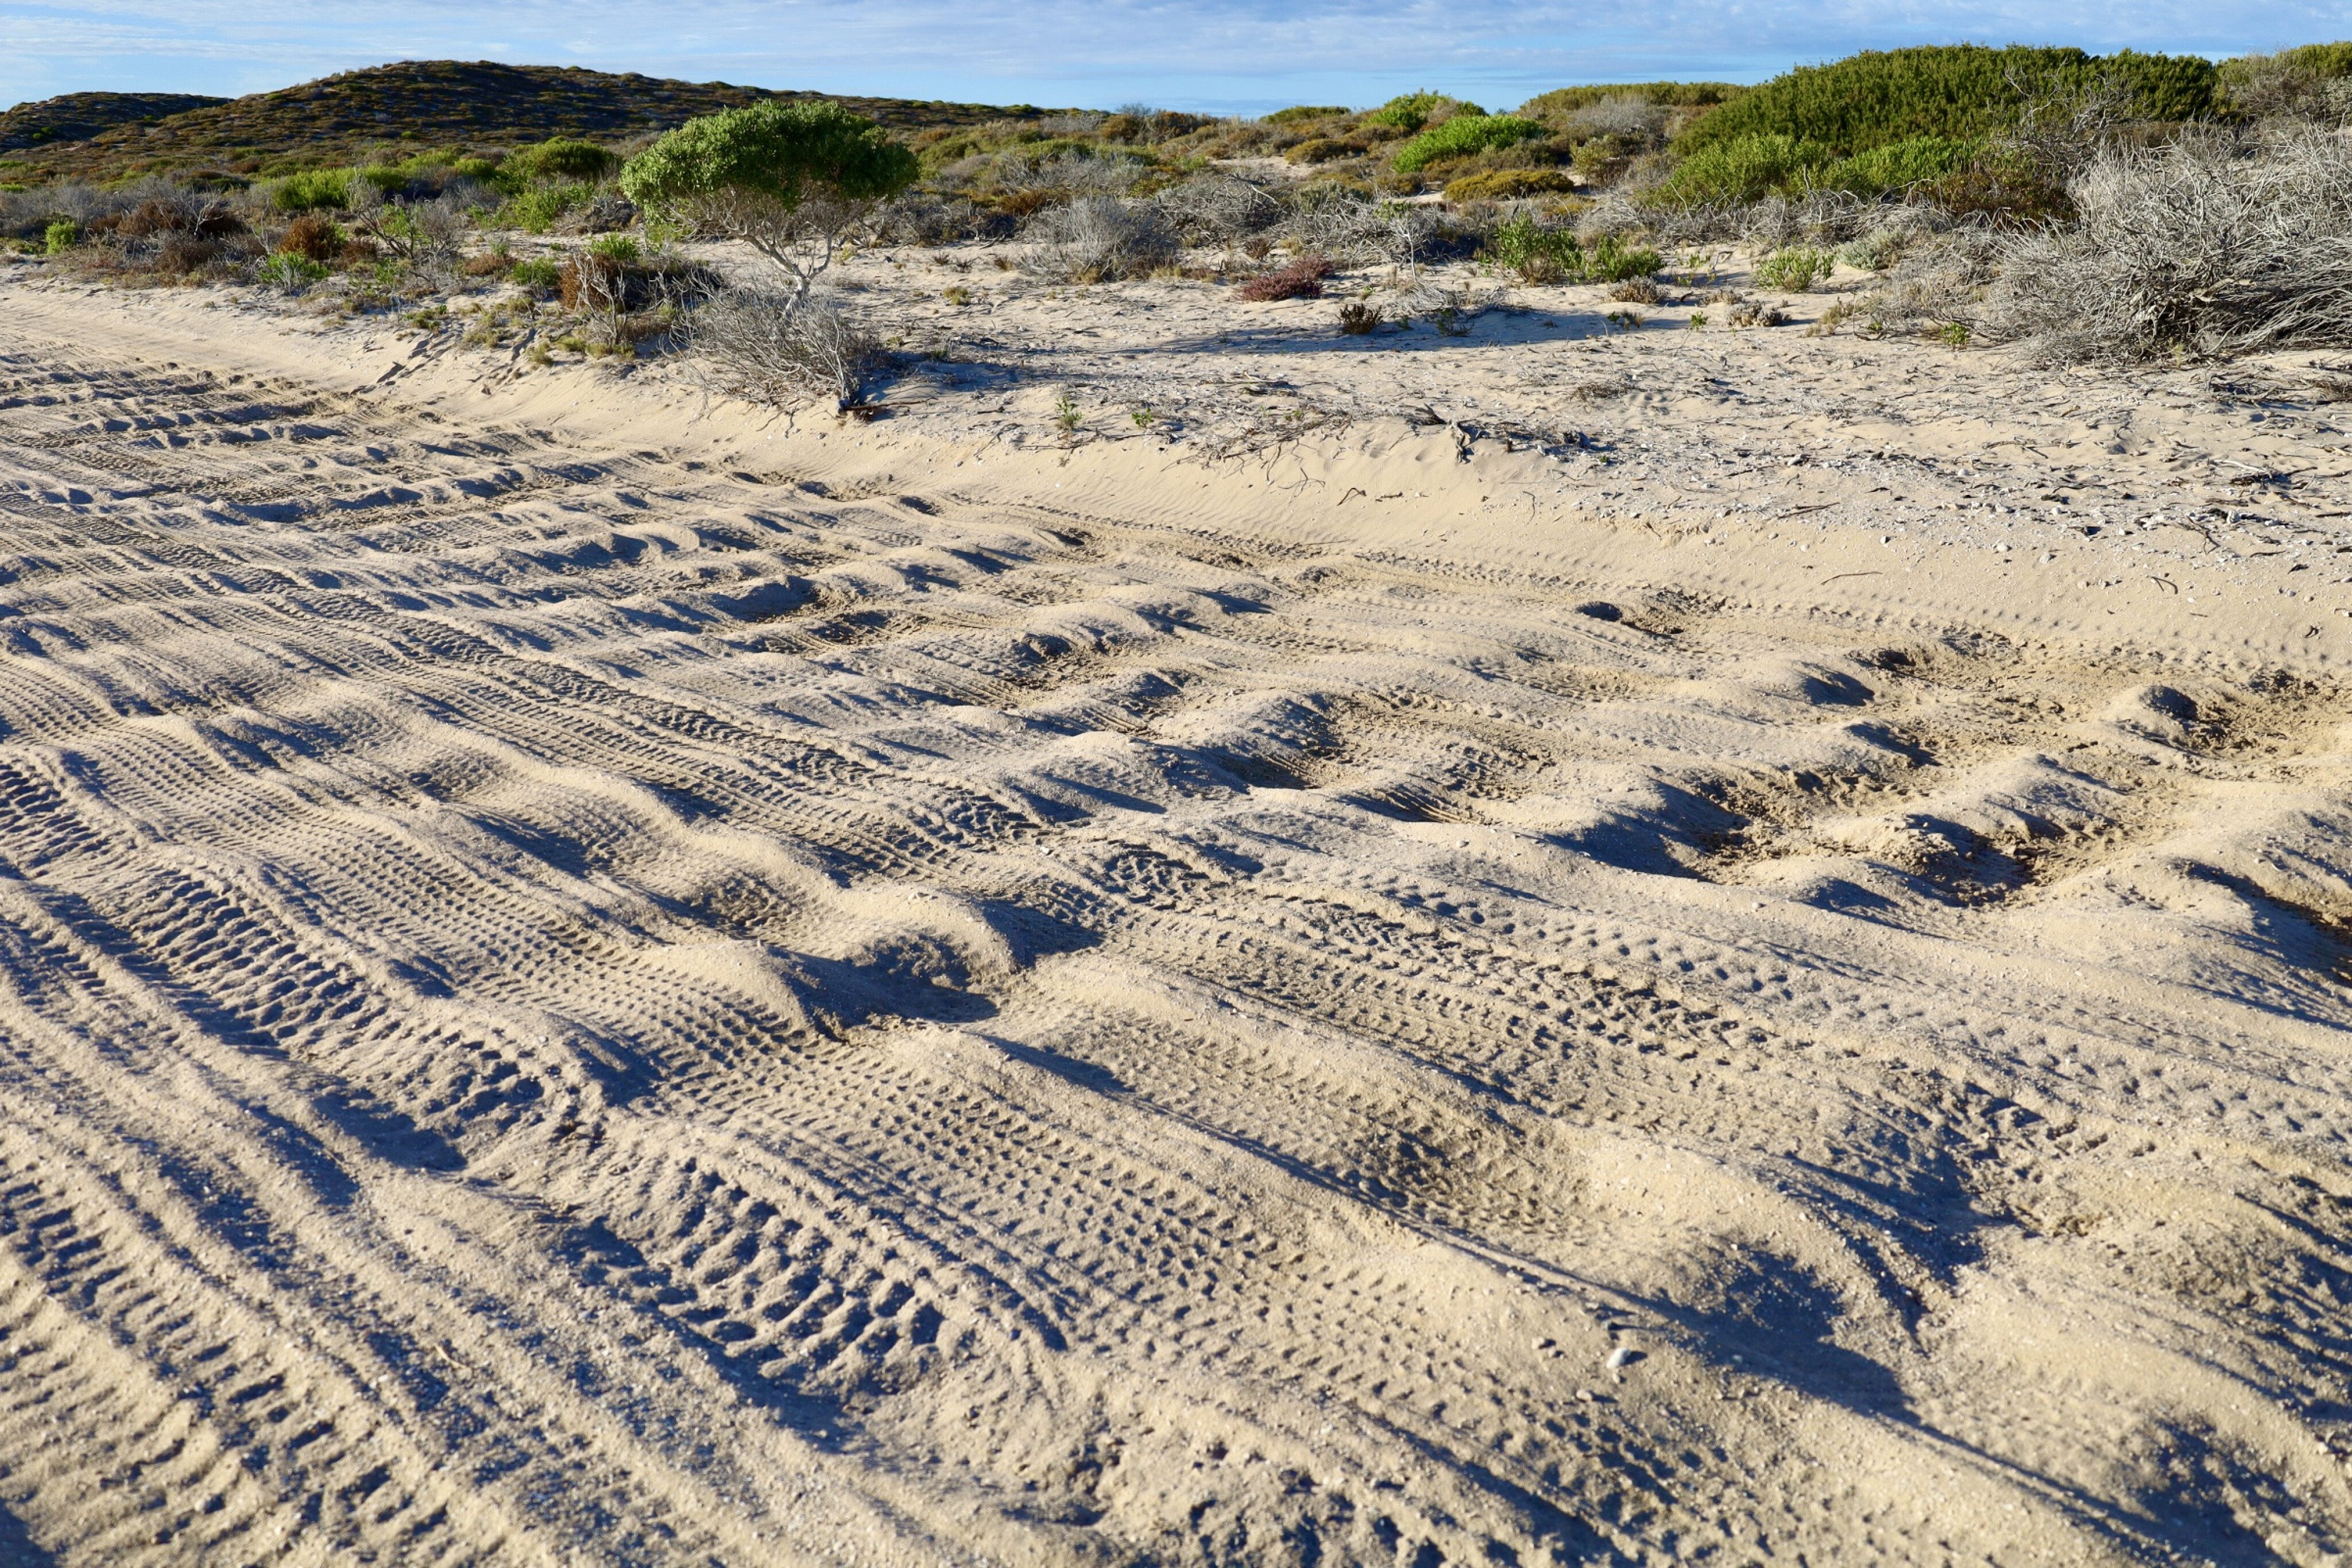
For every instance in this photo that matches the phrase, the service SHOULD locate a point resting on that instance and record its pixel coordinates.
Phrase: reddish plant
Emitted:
(1302, 279)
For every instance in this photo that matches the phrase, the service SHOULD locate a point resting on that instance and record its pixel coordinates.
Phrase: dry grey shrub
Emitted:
(1629, 115)
(1069, 171)
(2214, 244)
(1330, 221)
(778, 349)
(1097, 239)
(1217, 209)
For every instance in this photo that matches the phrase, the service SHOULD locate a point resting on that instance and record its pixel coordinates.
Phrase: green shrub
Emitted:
(1794, 269)
(1613, 262)
(309, 191)
(1509, 185)
(60, 238)
(1461, 135)
(541, 207)
(389, 177)
(1301, 111)
(1898, 165)
(621, 248)
(1536, 254)
(1412, 111)
(483, 170)
(560, 158)
(1744, 169)
(537, 274)
(1961, 92)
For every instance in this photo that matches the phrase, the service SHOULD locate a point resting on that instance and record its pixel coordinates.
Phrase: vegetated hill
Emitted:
(78, 116)
(1963, 91)
(422, 103)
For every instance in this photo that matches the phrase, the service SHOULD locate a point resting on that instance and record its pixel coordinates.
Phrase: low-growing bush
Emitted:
(1896, 165)
(1463, 135)
(539, 208)
(1742, 169)
(559, 157)
(2212, 245)
(311, 191)
(1321, 149)
(1611, 260)
(312, 237)
(1355, 230)
(290, 271)
(539, 274)
(1098, 239)
(1538, 254)
(1302, 279)
(1509, 185)
(60, 238)
(1359, 320)
(765, 348)
(1795, 269)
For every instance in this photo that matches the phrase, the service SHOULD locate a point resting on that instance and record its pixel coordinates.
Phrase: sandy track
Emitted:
(569, 999)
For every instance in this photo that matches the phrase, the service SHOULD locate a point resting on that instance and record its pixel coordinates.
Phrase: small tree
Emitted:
(790, 180)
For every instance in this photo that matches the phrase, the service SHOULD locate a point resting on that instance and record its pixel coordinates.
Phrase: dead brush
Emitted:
(2215, 243)
(760, 346)
(1098, 239)
(1636, 291)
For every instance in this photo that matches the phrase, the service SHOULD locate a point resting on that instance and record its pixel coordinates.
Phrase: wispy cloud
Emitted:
(1211, 54)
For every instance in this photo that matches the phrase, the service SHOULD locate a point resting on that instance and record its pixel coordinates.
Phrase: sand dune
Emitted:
(584, 983)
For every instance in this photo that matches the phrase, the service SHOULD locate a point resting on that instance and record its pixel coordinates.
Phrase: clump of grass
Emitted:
(290, 271)
(539, 274)
(1612, 260)
(1795, 268)
(1538, 255)
(1359, 320)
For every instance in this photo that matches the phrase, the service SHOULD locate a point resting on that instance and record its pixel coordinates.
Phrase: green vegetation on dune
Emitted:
(1959, 91)
(1461, 135)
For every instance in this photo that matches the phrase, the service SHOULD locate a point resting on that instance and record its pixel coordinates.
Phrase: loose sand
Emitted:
(1732, 949)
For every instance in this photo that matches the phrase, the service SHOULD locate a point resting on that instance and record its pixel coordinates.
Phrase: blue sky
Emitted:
(1227, 56)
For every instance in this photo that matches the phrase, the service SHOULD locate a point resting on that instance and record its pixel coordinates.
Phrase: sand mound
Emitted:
(582, 985)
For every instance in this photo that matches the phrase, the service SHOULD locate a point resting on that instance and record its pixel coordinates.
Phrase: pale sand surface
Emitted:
(588, 976)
